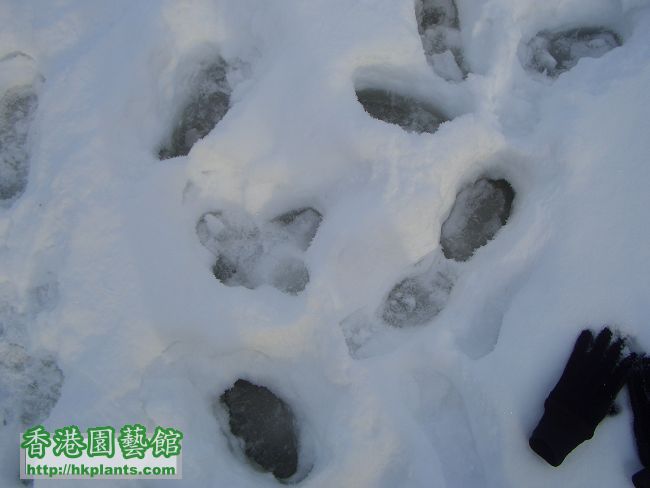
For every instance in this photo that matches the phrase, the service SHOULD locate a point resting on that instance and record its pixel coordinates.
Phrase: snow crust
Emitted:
(108, 296)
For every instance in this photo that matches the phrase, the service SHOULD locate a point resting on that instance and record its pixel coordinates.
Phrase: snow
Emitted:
(108, 296)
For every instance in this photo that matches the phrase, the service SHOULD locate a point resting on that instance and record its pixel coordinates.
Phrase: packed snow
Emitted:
(334, 242)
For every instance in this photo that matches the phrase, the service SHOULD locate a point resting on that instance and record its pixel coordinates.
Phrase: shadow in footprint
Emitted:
(208, 102)
(251, 255)
(17, 108)
(266, 426)
(444, 418)
(439, 30)
(553, 53)
(479, 324)
(406, 112)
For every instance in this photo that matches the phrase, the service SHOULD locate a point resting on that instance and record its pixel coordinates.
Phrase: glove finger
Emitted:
(635, 390)
(602, 342)
(613, 354)
(637, 386)
(643, 365)
(582, 345)
(620, 375)
(576, 363)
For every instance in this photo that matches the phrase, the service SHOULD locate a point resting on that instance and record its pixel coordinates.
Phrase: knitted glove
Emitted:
(584, 395)
(638, 387)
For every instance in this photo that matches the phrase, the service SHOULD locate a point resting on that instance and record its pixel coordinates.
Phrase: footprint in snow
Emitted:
(18, 106)
(439, 29)
(479, 211)
(206, 104)
(30, 381)
(554, 52)
(410, 114)
(251, 254)
(265, 426)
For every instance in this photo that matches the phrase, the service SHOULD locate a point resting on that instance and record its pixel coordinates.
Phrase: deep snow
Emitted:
(108, 294)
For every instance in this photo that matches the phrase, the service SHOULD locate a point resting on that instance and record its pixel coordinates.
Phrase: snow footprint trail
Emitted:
(251, 254)
(554, 52)
(207, 103)
(439, 29)
(479, 211)
(266, 425)
(18, 103)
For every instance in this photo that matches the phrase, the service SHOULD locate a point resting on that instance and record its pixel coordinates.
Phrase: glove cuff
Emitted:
(642, 479)
(558, 432)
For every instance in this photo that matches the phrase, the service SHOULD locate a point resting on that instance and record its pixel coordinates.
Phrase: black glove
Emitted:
(584, 395)
(638, 386)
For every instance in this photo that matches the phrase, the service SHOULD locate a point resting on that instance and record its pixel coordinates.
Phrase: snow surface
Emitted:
(108, 298)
